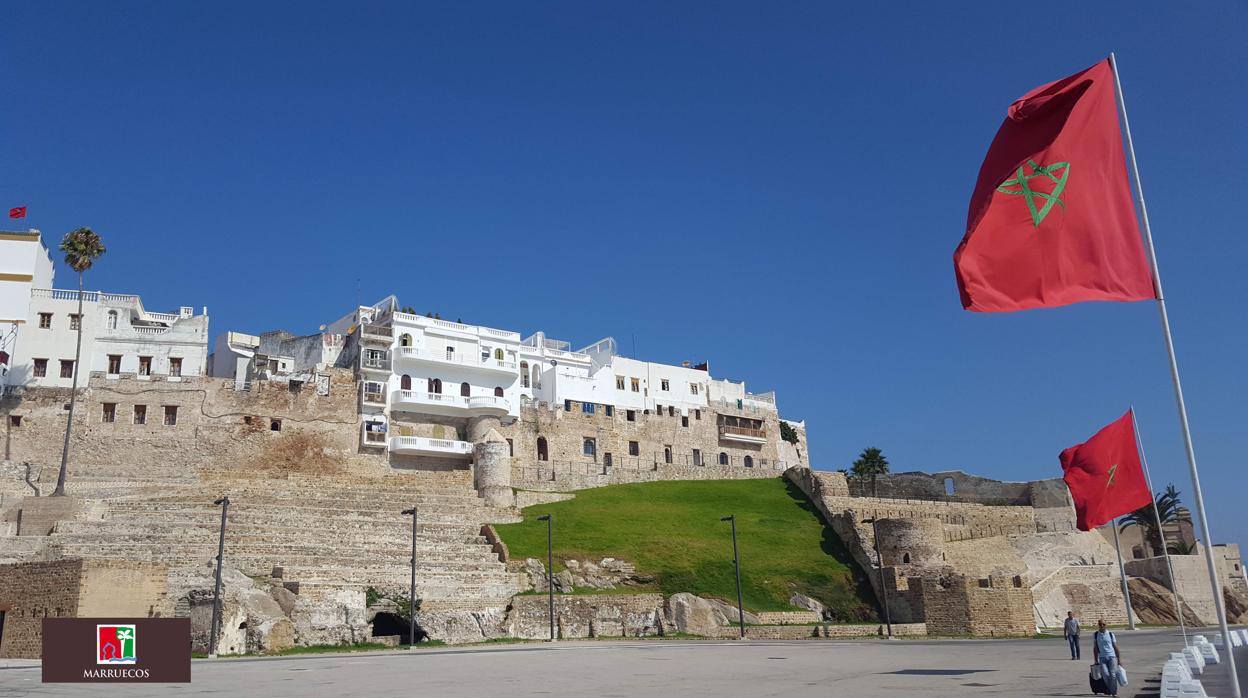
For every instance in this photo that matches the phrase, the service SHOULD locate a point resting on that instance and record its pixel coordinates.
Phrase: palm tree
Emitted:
(1179, 547)
(81, 247)
(870, 462)
(1146, 518)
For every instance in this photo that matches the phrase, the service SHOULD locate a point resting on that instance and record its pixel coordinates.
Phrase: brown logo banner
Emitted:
(117, 650)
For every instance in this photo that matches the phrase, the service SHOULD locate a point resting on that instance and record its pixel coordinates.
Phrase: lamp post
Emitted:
(411, 598)
(736, 562)
(214, 630)
(550, 572)
(888, 618)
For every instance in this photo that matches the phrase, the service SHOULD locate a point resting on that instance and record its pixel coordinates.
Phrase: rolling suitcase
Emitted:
(1096, 680)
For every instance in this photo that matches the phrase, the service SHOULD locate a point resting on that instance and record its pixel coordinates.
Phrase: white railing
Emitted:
(149, 330)
(163, 317)
(464, 359)
(57, 294)
(501, 333)
(488, 401)
(567, 354)
(478, 401)
(421, 443)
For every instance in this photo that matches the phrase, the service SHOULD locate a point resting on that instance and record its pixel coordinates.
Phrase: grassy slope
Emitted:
(672, 530)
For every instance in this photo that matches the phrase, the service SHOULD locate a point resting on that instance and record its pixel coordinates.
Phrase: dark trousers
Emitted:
(1074, 645)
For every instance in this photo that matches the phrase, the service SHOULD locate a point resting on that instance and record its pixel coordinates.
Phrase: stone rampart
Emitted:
(606, 615)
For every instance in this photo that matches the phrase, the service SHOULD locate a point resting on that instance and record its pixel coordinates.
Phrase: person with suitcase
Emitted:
(1071, 629)
(1107, 657)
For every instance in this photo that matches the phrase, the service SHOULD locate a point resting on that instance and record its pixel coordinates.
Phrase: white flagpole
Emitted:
(1122, 574)
(1199, 498)
(1165, 550)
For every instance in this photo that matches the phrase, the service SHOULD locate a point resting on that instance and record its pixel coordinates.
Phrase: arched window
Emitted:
(112, 319)
(465, 390)
(541, 448)
(667, 454)
(537, 377)
(905, 558)
(498, 392)
(498, 354)
(749, 461)
(723, 458)
(435, 385)
(405, 383)
(524, 374)
(405, 340)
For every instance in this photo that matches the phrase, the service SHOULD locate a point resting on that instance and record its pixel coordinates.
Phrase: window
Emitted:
(145, 365)
(658, 410)
(542, 453)
(405, 383)
(619, 382)
(15, 420)
(41, 368)
(450, 353)
(465, 390)
(498, 392)
(511, 448)
(67, 368)
(634, 448)
(671, 411)
(112, 320)
(567, 405)
(636, 384)
(610, 410)
(606, 459)
(630, 415)
(723, 458)
(749, 461)
(498, 354)
(667, 454)
(524, 374)
(693, 388)
(684, 420)
(664, 385)
(537, 376)
(171, 415)
(275, 425)
(45, 321)
(175, 367)
(697, 457)
(697, 414)
(109, 413)
(435, 386)
(114, 364)
(905, 558)
(140, 414)
(405, 340)
(589, 447)
(587, 407)
(75, 321)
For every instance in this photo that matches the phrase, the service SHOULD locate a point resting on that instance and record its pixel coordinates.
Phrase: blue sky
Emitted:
(776, 189)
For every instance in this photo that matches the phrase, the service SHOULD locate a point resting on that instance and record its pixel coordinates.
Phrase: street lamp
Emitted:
(550, 572)
(214, 630)
(736, 562)
(411, 598)
(888, 619)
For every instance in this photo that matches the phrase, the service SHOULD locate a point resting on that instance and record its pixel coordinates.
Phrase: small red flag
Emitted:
(1051, 220)
(17, 212)
(1104, 475)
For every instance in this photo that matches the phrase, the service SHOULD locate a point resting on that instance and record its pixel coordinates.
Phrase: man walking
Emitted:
(1105, 652)
(1072, 634)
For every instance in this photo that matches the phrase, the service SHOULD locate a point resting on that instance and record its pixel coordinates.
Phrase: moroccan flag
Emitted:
(1104, 475)
(1051, 220)
(17, 212)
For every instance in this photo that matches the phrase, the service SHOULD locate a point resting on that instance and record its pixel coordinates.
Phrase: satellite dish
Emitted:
(322, 328)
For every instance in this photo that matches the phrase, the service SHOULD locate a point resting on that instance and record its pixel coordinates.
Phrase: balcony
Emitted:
(422, 446)
(454, 405)
(377, 333)
(373, 397)
(380, 365)
(445, 358)
(372, 439)
(743, 434)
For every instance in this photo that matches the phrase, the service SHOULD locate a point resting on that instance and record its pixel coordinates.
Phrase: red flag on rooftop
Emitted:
(1104, 475)
(1051, 220)
(17, 212)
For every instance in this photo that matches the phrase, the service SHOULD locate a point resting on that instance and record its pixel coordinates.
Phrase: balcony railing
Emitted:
(480, 402)
(421, 444)
(742, 431)
(375, 364)
(459, 359)
(377, 332)
(373, 438)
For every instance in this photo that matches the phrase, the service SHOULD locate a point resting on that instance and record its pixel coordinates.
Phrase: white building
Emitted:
(119, 336)
(24, 265)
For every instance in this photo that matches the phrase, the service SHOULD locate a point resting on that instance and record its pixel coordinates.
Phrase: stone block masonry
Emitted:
(607, 615)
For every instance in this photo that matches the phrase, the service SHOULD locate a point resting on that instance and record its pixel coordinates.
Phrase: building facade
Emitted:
(24, 265)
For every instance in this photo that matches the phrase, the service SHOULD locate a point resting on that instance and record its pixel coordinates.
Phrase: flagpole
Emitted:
(1214, 584)
(1122, 573)
(1165, 550)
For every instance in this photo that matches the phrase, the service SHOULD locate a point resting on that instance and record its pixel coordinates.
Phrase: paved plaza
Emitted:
(935, 668)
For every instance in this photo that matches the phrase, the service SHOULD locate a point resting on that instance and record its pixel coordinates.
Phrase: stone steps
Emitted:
(272, 512)
(237, 532)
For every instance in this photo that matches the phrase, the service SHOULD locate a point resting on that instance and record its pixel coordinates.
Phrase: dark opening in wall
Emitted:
(275, 425)
(905, 558)
(393, 624)
(15, 420)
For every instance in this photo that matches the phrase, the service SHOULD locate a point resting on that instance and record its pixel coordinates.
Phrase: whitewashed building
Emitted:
(119, 335)
(24, 265)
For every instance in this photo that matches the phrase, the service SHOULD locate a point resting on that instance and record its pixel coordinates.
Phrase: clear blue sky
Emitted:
(777, 188)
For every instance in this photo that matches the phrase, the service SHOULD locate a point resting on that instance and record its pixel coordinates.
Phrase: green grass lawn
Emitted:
(672, 530)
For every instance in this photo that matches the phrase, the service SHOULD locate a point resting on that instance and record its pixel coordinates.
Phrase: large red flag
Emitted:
(1051, 220)
(17, 212)
(1104, 475)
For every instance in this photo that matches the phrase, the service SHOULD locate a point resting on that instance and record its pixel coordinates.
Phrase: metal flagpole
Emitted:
(1214, 584)
(1122, 573)
(1165, 550)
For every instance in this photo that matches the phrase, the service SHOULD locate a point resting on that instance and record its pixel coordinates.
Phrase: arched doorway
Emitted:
(749, 461)
(542, 454)
(524, 374)
(498, 392)
(465, 390)
(405, 340)
(435, 385)
(405, 383)
(723, 458)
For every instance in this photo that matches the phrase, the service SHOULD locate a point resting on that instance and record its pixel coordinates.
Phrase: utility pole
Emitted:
(215, 630)
(888, 617)
(411, 598)
(550, 572)
(736, 562)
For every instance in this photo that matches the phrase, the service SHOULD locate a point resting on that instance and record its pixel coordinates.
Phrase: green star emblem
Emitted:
(1022, 180)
